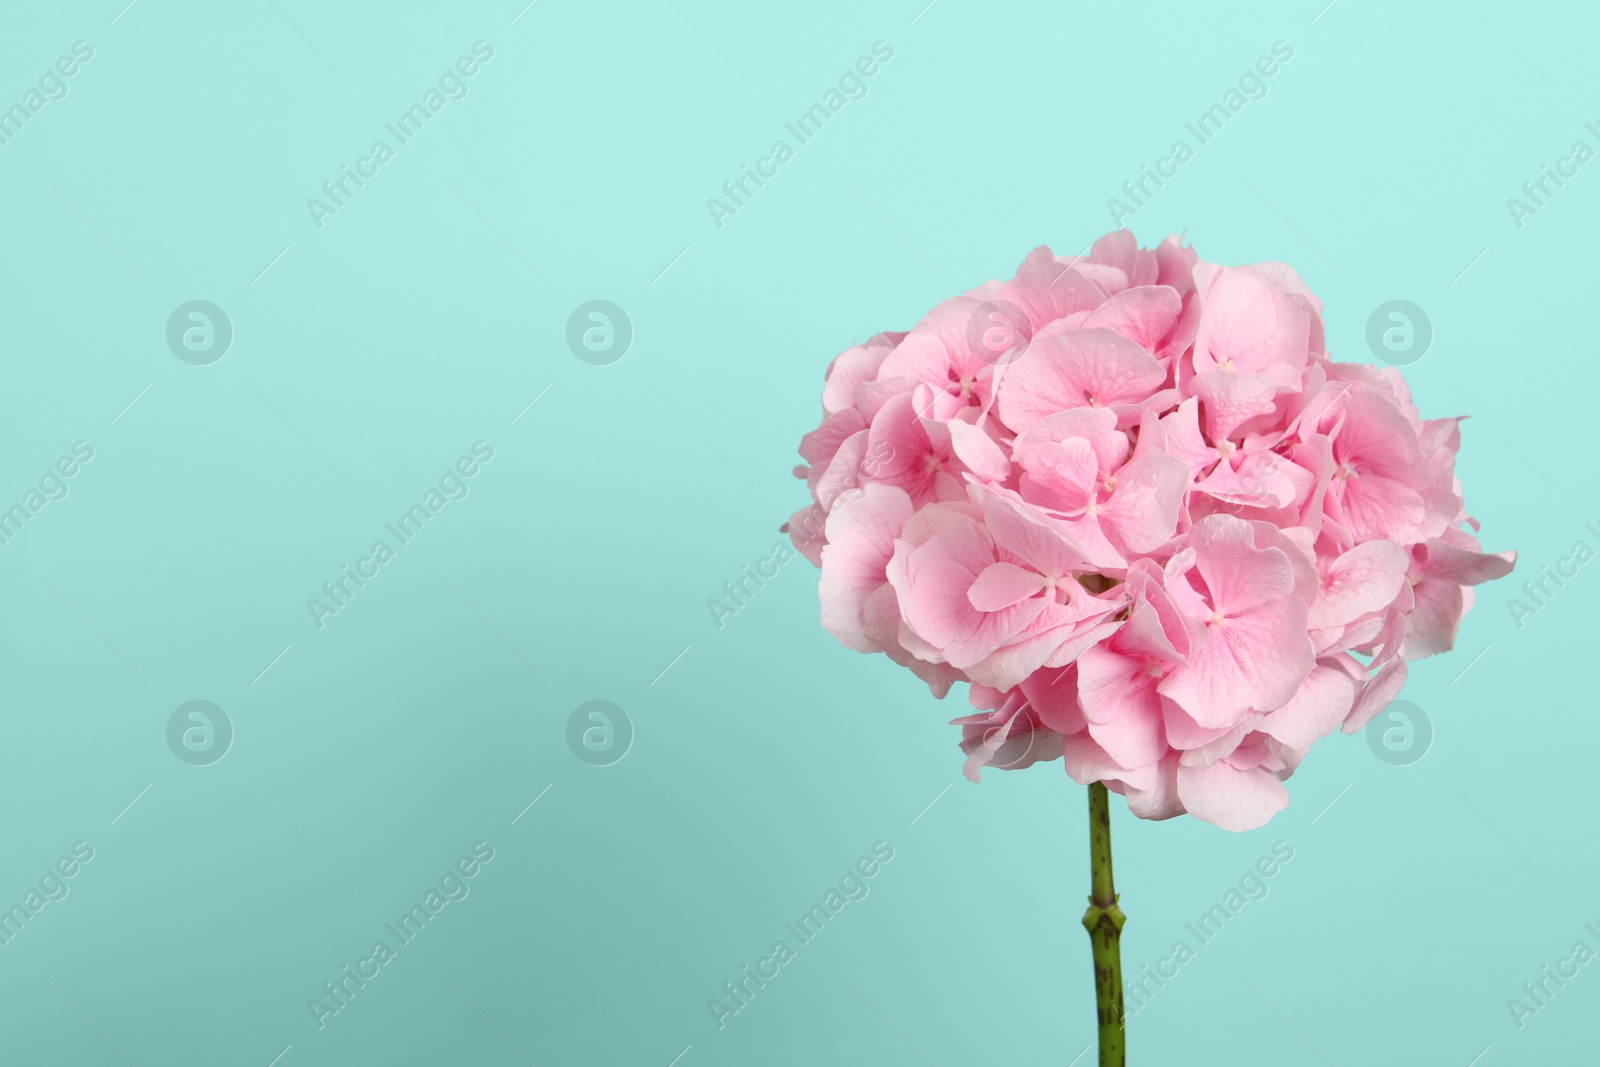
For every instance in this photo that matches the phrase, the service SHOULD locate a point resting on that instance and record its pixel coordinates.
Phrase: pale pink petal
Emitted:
(1465, 566)
(1030, 535)
(1080, 368)
(1316, 709)
(1053, 694)
(1366, 578)
(1431, 625)
(861, 535)
(1239, 575)
(1230, 798)
(1376, 695)
(1143, 510)
(1159, 798)
(978, 452)
(1231, 399)
(1144, 314)
(1003, 584)
(1253, 661)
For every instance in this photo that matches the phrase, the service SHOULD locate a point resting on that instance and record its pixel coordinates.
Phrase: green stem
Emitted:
(1104, 922)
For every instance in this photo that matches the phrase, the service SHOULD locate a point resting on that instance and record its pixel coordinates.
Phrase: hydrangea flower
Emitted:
(1130, 500)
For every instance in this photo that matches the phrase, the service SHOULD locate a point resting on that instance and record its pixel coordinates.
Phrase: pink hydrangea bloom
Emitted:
(1132, 502)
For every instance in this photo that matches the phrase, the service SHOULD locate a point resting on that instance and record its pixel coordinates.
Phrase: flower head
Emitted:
(1130, 499)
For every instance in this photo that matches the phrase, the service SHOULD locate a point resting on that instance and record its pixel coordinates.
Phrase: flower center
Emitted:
(962, 385)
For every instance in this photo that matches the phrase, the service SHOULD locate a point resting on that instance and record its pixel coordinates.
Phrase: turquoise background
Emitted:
(426, 314)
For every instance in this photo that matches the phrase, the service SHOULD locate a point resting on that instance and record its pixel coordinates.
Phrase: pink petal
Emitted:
(1159, 798)
(1081, 368)
(1249, 324)
(978, 452)
(1239, 575)
(861, 534)
(1231, 399)
(1112, 686)
(1001, 585)
(1431, 625)
(1315, 710)
(1464, 566)
(1376, 695)
(1367, 578)
(1374, 506)
(1121, 706)
(1144, 314)
(1232, 799)
(1053, 695)
(1030, 535)
(1251, 661)
(1143, 509)
(1062, 475)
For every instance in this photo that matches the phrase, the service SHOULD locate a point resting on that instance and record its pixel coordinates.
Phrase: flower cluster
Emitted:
(1129, 498)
